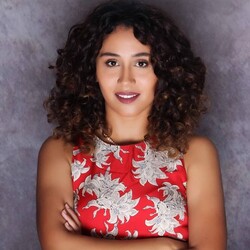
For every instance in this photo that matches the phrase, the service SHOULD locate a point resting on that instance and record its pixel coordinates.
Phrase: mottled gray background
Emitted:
(30, 33)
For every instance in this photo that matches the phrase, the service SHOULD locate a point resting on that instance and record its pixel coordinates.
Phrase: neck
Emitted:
(125, 130)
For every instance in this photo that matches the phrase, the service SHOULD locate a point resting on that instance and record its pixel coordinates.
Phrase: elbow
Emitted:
(52, 241)
(208, 247)
(47, 244)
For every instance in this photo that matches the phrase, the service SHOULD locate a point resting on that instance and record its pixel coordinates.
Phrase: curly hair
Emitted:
(76, 104)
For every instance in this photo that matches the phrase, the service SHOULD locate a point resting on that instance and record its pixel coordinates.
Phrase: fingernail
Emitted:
(66, 205)
(64, 212)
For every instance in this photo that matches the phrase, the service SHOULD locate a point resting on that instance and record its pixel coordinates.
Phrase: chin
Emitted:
(133, 114)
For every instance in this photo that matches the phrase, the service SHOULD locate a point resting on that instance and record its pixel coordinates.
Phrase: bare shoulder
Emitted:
(56, 145)
(205, 195)
(54, 185)
(53, 148)
(201, 150)
(54, 160)
(201, 144)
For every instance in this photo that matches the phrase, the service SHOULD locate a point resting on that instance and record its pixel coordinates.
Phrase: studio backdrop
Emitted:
(30, 33)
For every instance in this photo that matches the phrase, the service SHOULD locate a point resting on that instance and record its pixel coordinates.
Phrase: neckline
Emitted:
(120, 145)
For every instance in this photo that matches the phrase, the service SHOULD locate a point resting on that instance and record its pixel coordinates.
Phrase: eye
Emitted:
(111, 63)
(142, 64)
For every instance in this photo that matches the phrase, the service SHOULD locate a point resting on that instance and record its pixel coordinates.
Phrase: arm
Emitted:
(207, 225)
(54, 189)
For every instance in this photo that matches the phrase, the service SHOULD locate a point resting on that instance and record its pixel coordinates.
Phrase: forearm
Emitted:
(69, 241)
(62, 239)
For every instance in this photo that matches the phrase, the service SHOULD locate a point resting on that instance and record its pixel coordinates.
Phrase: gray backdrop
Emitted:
(30, 33)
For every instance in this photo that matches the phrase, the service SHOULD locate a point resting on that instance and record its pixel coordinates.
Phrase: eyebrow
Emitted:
(116, 55)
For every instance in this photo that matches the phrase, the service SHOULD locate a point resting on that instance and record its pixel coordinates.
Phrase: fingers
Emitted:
(72, 223)
(69, 224)
(68, 227)
(73, 215)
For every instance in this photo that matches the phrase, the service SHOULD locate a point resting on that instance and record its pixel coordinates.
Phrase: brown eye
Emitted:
(142, 64)
(111, 63)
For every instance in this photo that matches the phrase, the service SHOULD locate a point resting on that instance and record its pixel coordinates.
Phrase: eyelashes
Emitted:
(114, 63)
(142, 64)
(111, 63)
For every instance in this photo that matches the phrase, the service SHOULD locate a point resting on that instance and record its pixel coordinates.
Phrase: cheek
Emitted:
(100, 71)
(153, 87)
(151, 82)
(105, 77)
(106, 88)
(148, 76)
(102, 80)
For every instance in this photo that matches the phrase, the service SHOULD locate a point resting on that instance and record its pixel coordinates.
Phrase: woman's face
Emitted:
(125, 75)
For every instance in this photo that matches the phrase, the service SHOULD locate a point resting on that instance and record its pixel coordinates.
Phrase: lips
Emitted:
(127, 97)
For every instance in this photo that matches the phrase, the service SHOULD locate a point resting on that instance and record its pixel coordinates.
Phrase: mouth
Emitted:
(127, 97)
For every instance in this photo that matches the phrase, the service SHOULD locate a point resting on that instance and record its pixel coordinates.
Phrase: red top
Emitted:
(130, 191)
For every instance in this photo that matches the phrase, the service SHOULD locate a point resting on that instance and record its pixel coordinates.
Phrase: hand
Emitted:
(72, 223)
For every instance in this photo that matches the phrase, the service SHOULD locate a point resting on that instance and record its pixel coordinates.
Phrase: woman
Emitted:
(123, 162)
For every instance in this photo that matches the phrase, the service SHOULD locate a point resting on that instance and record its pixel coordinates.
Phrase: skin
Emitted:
(58, 225)
(123, 66)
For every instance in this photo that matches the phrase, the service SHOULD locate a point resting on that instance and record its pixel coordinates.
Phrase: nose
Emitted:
(126, 75)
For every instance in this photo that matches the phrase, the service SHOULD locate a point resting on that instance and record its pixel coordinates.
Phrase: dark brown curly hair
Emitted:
(76, 104)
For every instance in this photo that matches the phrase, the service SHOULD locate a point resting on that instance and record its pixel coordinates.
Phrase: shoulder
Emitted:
(197, 143)
(201, 152)
(54, 151)
(54, 164)
(205, 195)
(54, 187)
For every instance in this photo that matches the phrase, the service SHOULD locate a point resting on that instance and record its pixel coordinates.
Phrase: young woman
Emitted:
(123, 162)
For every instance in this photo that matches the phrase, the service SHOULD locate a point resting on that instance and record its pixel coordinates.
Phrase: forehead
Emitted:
(122, 39)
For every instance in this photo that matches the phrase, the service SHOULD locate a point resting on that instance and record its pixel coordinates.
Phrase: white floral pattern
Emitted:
(130, 235)
(76, 198)
(130, 192)
(87, 186)
(78, 168)
(173, 205)
(102, 151)
(174, 199)
(107, 191)
(112, 234)
(149, 168)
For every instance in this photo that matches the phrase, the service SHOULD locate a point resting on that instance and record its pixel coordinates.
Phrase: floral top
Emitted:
(130, 191)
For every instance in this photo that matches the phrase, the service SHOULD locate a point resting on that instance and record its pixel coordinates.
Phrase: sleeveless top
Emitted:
(129, 191)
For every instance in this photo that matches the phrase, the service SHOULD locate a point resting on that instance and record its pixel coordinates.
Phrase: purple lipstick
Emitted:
(127, 97)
